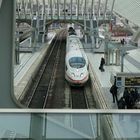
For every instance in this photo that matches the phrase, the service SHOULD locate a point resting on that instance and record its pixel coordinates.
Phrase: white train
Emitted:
(76, 62)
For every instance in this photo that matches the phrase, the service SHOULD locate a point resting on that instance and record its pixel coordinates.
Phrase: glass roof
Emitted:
(130, 9)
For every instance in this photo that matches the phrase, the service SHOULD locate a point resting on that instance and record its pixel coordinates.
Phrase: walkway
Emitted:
(131, 64)
(29, 62)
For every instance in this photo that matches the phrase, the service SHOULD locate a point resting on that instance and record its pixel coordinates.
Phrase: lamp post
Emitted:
(122, 59)
(122, 54)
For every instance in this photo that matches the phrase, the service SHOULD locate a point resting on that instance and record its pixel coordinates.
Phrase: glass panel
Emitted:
(101, 126)
(14, 125)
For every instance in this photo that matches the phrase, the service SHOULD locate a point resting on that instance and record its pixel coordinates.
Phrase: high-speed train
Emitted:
(76, 62)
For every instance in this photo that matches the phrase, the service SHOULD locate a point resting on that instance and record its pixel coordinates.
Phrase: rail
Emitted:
(40, 76)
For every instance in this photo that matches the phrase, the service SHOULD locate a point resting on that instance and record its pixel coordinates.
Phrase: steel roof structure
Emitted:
(129, 9)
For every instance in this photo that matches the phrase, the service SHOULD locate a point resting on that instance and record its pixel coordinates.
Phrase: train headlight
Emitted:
(72, 74)
(81, 75)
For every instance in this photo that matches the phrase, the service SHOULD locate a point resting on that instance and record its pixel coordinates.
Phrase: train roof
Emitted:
(74, 53)
(73, 39)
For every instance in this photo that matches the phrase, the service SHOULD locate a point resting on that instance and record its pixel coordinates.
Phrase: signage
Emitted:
(132, 81)
(119, 82)
(124, 79)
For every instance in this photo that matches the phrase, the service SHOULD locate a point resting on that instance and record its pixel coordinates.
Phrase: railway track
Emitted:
(41, 92)
(82, 97)
(78, 98)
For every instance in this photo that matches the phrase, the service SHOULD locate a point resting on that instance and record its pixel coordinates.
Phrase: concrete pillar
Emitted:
(7, 44)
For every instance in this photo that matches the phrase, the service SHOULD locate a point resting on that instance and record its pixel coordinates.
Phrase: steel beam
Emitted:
(23, 2)
(51, 9)
(58, 9)
(44, 23)
(7, 44)
(31, 10)
(105, 9)
(37, 20)
(17, 9)
(92, 9)
(85, 25)
(71, 9)
(64, 9)
(85, 8)
(112, 9)
(98, 11)
(78, 10)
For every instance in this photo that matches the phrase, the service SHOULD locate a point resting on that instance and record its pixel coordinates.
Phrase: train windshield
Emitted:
(77, 62)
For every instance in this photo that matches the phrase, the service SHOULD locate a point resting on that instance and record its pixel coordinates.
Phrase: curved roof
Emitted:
(130, 9)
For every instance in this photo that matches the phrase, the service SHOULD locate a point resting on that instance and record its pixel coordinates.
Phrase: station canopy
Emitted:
(129, 9)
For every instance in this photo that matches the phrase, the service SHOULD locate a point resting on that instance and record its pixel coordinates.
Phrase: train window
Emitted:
(77, 62)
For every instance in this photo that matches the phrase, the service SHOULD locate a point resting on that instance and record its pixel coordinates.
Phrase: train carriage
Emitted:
(76, 62)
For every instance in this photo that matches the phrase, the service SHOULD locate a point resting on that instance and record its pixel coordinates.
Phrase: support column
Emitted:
(117, 57)
(51, 9)
(122, 59)
(106, 54)
(85, 25)
(37, 20)
(105, 9)
(92, 9)
(71, 9)
(17, 52)
(7, 43)
(44, 24)
(78, 10)
(92, 33)
(58, 9)
(36, 127)
(64, 10)
(34, 33)
(17, 9)
(112, 8)
(23, 2)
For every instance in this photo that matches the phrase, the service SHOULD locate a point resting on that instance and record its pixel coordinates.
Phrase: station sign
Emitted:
(132, 81)
(128, 79)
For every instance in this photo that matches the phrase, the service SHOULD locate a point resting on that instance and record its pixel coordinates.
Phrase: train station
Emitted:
(70, 66)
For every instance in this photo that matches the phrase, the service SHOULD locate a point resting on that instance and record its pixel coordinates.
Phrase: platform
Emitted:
(131, 65)
(29, 62)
